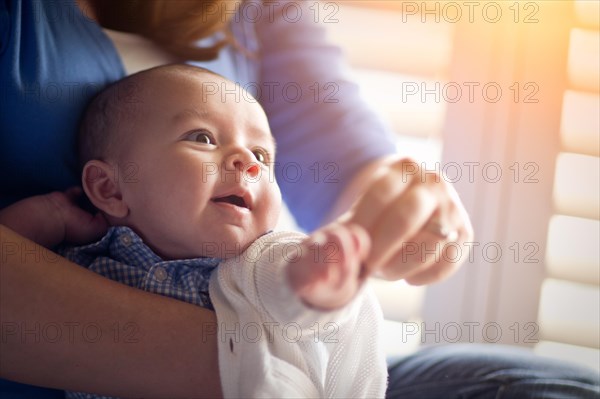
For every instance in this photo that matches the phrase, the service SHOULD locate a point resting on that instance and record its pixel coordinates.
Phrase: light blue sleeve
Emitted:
(324, 130)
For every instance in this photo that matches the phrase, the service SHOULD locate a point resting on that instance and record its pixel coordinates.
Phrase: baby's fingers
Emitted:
(361, 242)
(352, 245)
(332, 273)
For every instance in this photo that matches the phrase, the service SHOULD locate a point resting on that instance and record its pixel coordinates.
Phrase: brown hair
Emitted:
(175, 25)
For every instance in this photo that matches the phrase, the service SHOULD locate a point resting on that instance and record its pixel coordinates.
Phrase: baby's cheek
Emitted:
(276, 204)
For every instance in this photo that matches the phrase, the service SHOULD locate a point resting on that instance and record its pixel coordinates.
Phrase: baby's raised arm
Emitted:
(289, 297)
(329, 273)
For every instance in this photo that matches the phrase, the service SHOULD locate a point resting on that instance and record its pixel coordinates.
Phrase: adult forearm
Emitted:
(65, 327)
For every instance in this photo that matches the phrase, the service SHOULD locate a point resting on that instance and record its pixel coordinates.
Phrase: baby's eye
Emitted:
(261, 155)
(201, 136)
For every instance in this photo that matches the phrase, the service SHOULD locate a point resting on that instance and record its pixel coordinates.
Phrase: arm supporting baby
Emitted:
(132, 340)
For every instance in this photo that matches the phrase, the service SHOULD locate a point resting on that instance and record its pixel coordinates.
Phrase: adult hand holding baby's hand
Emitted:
(410, 214)
(53, 218)
(329, 274)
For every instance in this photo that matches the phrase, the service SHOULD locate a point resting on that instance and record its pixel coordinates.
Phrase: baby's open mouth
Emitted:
(234, 200)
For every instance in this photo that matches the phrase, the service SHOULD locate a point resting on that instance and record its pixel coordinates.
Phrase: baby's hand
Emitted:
(53, 218)
(329, 273)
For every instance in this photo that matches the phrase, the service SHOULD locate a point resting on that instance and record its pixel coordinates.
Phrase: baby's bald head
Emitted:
(112, 115)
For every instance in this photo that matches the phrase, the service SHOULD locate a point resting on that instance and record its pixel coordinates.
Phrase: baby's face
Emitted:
(202, 184)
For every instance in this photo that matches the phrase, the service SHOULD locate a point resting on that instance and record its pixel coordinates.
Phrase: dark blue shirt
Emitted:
(53, 60)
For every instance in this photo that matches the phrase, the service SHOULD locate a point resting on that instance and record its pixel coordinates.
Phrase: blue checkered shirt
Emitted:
(121, 255)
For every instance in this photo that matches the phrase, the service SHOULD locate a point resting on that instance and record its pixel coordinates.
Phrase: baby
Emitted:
(182, 169)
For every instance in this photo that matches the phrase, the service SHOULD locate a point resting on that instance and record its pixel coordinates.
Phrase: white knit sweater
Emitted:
(271, 345)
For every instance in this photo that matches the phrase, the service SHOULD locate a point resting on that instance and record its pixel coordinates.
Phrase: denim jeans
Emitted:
(488, 371)
(451, 371)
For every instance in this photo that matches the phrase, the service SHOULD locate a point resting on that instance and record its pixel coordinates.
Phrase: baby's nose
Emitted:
(243, 160)
(238, 159)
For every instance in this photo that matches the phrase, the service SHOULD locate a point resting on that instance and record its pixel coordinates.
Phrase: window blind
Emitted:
(397, 59)
(569, 314)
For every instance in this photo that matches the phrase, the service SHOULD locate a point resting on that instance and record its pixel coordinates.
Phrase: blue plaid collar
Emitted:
(122, 244)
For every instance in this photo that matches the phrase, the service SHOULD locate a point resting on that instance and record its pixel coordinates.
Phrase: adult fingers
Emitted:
(428, 256)
(385, 190)
(400, 221)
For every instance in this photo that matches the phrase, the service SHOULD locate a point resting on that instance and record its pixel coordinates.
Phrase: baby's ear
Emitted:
(102, 188)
